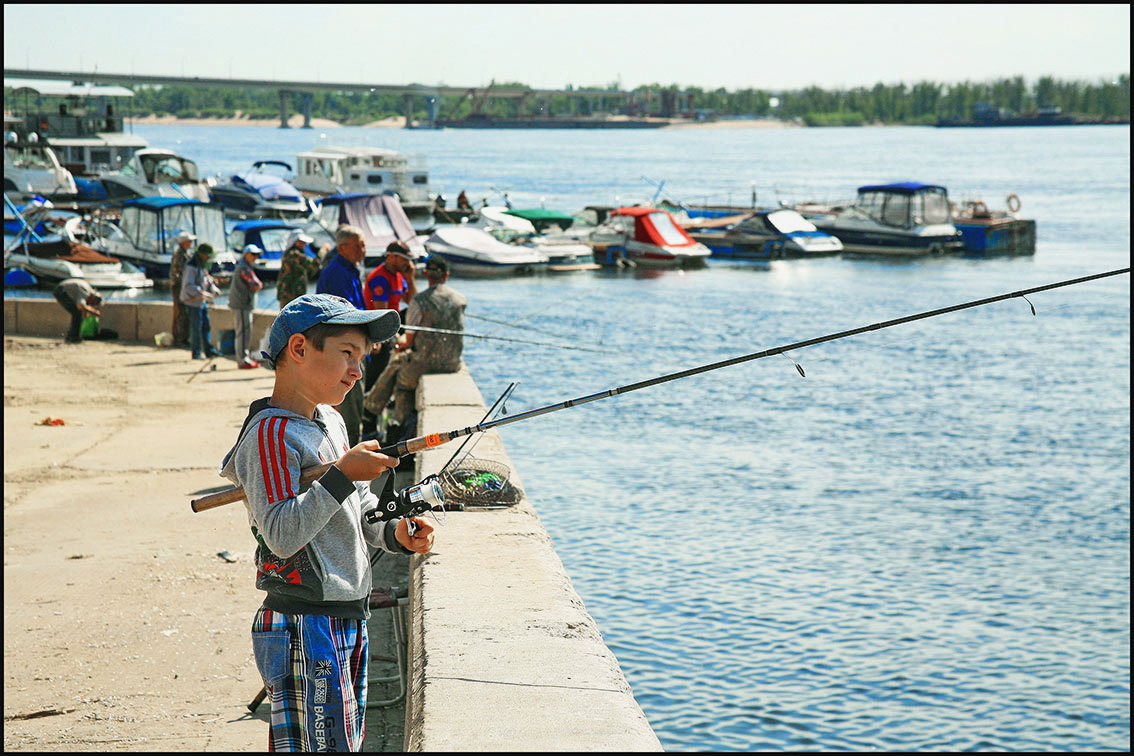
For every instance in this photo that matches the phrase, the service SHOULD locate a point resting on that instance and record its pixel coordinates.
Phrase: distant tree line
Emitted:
(920, 103)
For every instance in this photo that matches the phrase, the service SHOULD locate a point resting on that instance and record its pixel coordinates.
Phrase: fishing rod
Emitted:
(414, 445)
(499, 338)
(428, 441)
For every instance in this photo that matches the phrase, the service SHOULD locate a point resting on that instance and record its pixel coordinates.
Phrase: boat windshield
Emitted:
(935, 207)
(210, 226)
(29, 158)
(168, 169)
(669, 232)
(379, 225)
(889, 208)
(274, 239)
(789, 221)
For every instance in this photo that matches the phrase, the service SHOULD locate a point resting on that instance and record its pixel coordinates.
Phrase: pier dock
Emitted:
(127, 615)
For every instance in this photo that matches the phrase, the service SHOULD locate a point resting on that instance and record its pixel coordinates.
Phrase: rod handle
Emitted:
(236, 493)
(311, 474)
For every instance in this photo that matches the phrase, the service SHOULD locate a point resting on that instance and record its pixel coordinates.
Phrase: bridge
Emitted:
(303, 90)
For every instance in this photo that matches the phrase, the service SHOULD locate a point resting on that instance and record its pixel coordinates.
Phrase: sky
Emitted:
(771, 47)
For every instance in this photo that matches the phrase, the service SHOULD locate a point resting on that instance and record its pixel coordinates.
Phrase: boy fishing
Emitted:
(309, 637)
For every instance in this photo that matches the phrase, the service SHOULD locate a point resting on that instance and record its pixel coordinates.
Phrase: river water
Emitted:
(922, 545)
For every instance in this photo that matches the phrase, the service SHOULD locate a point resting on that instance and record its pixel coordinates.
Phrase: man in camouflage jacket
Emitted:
(297, 269)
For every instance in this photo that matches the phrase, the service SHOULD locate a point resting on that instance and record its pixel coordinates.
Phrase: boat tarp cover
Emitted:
(480, 245)
(541, 217)
(69, 251)
(907, 187)
(368, 211)
(654, 226)
(267, 186)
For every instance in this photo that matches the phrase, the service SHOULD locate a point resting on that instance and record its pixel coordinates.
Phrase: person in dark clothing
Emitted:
(79, 299)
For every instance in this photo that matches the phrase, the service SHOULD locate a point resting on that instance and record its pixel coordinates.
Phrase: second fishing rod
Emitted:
(413, 445)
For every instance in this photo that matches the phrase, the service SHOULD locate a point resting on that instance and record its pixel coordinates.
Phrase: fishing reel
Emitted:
(426, 496)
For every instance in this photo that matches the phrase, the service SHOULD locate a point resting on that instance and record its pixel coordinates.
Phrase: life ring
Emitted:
(1013, 202)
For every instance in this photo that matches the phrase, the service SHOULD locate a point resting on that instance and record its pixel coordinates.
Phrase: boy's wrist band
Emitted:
(337, 483)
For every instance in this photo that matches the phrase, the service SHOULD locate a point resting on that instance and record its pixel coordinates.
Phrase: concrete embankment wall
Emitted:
(504, 655)
(134, 321)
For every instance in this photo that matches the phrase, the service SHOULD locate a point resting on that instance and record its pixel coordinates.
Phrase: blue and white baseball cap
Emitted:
(312, 309)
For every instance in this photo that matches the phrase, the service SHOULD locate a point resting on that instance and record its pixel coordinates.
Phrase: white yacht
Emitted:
(31, 168)
(155, 172)
(370, 170)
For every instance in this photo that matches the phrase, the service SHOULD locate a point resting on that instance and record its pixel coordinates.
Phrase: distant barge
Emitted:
(1044, 117)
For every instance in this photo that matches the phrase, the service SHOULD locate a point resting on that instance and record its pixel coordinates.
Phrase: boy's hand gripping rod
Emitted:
(421, 443)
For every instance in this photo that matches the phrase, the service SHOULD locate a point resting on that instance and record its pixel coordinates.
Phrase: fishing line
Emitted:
(427, 329)
(421, 443)
(549, 305)
(504, 323)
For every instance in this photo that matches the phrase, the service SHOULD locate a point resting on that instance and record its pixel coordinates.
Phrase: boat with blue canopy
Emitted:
(269, 235)
(147, 234)
(906, 218)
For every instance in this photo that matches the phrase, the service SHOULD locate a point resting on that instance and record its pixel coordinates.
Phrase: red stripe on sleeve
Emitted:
(288, 492)
(273, 470)
(264, 460)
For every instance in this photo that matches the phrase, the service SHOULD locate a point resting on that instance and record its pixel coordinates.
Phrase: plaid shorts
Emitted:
(314, 668)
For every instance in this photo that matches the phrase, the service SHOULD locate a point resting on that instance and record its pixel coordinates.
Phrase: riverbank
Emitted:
(397, 122)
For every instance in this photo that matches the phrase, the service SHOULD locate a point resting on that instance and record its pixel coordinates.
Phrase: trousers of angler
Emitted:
(413, 445)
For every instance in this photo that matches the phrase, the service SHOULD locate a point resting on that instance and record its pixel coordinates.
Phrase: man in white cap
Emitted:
(242, 301)
(297, 268)
(180, 326)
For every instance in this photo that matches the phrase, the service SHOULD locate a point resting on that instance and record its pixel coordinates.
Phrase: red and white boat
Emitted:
(646, 236)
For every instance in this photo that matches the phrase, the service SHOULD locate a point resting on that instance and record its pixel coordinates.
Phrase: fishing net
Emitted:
(479, 483)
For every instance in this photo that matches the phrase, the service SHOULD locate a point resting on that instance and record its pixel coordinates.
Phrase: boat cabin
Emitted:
(156, 172)
(31, 167)
(362, 169)
(84, 123)
(905, 205)
(151, 224)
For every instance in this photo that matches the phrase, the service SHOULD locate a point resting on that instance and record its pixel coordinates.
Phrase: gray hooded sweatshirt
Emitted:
(311, 555)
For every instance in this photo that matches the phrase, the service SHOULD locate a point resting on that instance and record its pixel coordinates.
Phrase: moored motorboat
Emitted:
(262, 191)
(564, 252)
(60, 259)
(31, 168)
(329, 170)
(645, 236)
(909, 219)
(269, 235)
(765, 235)
(146, 234)
(153, 172)
(475, 252)
(995, 232)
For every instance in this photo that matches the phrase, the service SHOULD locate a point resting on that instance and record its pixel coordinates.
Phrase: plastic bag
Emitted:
(88, 329)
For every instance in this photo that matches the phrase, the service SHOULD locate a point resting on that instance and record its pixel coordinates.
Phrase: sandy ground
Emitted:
(123, 628)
